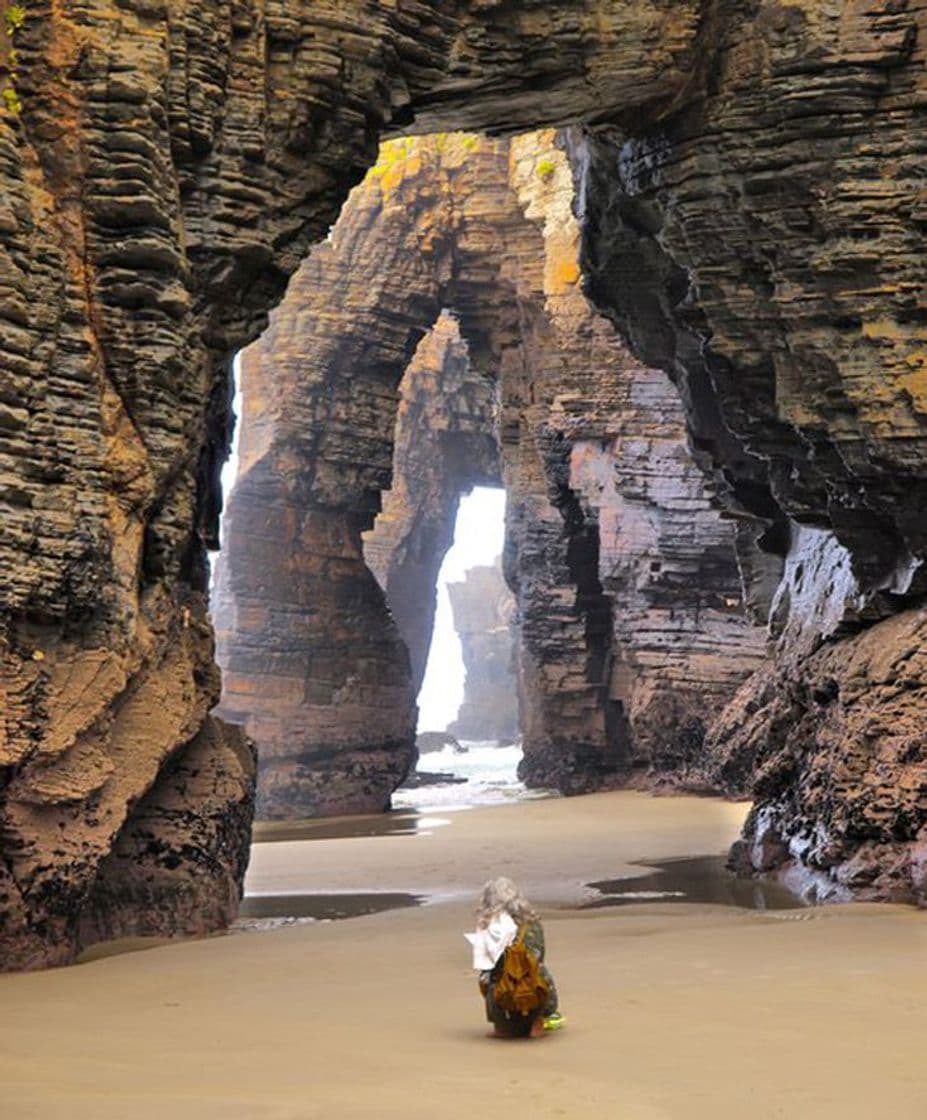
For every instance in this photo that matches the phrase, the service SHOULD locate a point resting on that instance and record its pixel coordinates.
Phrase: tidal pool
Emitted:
(693, 879)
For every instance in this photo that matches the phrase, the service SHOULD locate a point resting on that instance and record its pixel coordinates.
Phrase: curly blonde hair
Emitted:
(502, 894)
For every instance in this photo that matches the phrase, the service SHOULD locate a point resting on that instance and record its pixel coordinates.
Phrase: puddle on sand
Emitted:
(324, 907)
(342, 828)
(695, 879)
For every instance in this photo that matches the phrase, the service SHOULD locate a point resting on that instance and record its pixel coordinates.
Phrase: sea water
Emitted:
(491, 773)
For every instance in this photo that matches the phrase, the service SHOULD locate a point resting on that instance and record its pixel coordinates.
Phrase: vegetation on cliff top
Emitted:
(14, 16)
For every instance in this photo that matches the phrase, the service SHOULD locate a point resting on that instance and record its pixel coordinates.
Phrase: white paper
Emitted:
(490, 943)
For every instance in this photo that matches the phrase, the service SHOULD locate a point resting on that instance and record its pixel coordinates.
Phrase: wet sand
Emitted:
(678, 1011)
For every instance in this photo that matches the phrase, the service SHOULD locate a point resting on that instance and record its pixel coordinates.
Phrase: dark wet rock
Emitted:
(426, 778)
(430, 741)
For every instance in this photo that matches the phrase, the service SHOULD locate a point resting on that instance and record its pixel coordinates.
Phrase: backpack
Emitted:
(520, 988)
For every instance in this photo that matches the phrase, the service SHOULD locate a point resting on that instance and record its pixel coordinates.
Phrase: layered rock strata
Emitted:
(763, 245)
(164, 171)
(613, 675)
(321, 669)
(649, 555)
(446, 443)
(483, 610)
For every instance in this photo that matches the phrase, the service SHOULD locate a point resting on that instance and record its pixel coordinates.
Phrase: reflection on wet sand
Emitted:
(694, 879)
(406, 823)
(324, 907)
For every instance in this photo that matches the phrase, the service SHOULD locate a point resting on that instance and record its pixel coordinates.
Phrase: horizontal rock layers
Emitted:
(164, 169)
(612, 677)
(164, 172)
(483, 610)
(763, 245)
(446, 443)
(650, 556)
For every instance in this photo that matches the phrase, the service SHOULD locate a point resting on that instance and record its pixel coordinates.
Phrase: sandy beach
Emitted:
(675, 1011)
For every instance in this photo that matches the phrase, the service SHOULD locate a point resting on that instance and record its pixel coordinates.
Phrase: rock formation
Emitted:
(323, 677)
(164, 171)
(483, 610)
(753, 219)
(652, 562)
(763, 246)
(445, 444)
(622, 645)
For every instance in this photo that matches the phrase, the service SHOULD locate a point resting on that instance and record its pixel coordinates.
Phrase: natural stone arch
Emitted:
(497, 244)
(446, 443)
(167, 174)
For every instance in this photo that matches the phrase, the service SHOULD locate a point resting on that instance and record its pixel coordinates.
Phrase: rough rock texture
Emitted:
(169, 168)
(171, 164)
(648, 553)
(428, 742)
(614, 675)
(314, 666)
(483, 610)
(445, 444)
(178, 865)
(836, 737)
(764, 245)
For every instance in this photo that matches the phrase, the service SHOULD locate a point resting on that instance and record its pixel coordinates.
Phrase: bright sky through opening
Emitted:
(478, 537)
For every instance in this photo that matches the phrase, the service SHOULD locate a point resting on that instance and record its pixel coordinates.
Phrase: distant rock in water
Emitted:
(420, 778)
(430, 741)
(483, 608)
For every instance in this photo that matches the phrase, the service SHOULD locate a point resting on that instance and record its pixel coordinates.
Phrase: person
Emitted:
(504, 917)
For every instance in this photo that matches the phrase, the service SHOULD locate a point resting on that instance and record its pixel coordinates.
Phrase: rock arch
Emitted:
(170, 165)
(613, 678)
(446, 443)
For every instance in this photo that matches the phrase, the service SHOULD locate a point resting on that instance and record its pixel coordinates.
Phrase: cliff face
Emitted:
(483, 610)
(763, 246)
(651, 559)
(169, 167)
(164, 169)
(614, 674)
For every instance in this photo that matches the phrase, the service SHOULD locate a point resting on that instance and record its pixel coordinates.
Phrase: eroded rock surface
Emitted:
(483, 610)
(650, 556)
(446, 442)
(836, 737)
(763, 245)
(615, 676)
(756, 230)
(164, 170)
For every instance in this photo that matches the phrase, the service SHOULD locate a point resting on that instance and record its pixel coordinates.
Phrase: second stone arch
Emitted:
(450, 288)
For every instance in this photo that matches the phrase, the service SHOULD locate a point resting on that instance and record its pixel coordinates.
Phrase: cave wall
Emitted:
(483, 610)
(166, 169)
(625, 641)
(764, 245)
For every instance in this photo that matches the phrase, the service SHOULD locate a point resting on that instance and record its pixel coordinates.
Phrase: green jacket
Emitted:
(502, 1020)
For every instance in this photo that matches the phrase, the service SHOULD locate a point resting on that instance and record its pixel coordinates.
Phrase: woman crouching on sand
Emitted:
(508, 951)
